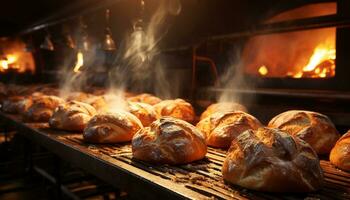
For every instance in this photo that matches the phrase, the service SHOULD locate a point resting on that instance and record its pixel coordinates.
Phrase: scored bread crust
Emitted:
(177, 108)
(340, 154)
(169, 141)
(112, 127)
(72, 116)
(272, 161)
(220, 129)
(312, 127)
(222, 107)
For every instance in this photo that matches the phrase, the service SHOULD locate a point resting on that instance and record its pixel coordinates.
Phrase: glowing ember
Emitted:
(321, 63)
(263, 70)
(79, 63)
(4, 65)
(8, 62)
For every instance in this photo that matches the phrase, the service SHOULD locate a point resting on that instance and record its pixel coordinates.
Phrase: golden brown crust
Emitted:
(17, 104)
(112, 128)
(314, 128)
(145, 98)
(98, 102)
(78, 96)
(72, 116)
(169, 141)
(144, 112)
(340, 154)
(220, 129)
(272, 161)
(42, 109)
(177, 108)
(222, 107)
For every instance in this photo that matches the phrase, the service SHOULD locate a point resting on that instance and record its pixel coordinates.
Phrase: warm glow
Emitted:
(11, 59)
(263, 70)
(9, 62)
(79, 63)
(4, 65)
(14, 58)
(321, 64)
(297, 54)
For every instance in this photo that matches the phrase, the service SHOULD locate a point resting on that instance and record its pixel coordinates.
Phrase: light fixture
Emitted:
(47, 43)
(67, 37)
(108, 43)
(83, 40)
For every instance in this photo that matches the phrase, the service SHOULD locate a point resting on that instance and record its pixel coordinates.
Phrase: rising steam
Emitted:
(141, 63)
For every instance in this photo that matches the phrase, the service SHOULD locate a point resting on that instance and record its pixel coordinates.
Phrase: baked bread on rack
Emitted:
(78, 96)
(112, 127)
(16, 104)
(72, 116)
(271, 160)
(145, 98)
(42, 108)
(98, 102)
(177, 108)
(221, 128)
(312, 127)
(169, 141)
(144, 112)
(340, 154)
(222, 107)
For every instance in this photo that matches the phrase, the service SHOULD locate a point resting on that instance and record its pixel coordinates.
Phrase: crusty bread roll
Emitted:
(144, 112)
(17, 104)
(72, 116)
(78, 96)
(169, 141)
(220, 129)
(222, 107)
(272, 161)
(42, 108)
(340, 154)
(145, 98)
(112, 127)
(312, 127)
(98, 102)
(177, 108)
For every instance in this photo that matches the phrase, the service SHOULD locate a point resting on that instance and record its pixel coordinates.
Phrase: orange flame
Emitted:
(79, 63)
(321, 64)
(8, 62)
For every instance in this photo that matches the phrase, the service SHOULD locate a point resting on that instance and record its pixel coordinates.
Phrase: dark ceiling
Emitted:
(17, 15)
(198, 17)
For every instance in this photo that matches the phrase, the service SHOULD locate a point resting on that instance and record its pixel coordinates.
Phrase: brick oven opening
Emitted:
(299, 54)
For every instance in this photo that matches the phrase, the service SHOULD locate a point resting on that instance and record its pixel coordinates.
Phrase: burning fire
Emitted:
(321, 63)
(79, 63)
(8, 62)
(297, 54)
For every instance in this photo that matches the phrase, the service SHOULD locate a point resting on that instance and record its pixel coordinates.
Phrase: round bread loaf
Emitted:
(98, 102)
(144, 112)
(112, 127)
(169, 141)
(177, 108)
(222, 107)
(340, 154)
(270, 160)
(312, 127)
(78, 96)
(72, 116)
(145, 98)
(16, 104)
(220, 129)
(42, 108)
